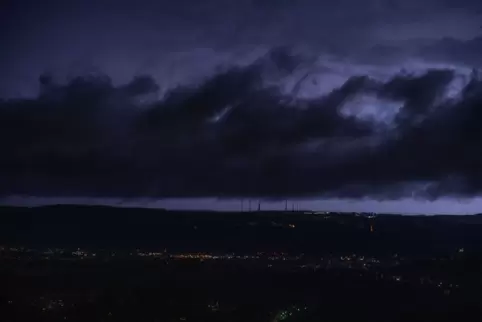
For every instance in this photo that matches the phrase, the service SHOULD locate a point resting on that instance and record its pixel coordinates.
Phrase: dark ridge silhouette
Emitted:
(307, 232)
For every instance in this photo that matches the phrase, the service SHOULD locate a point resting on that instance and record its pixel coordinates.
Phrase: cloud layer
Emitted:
(176, 41)
(233, 135)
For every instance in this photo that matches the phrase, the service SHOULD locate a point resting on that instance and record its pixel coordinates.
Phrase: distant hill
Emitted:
(101, 226)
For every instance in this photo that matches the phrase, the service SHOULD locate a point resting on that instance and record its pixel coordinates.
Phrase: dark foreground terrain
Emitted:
(69, 263)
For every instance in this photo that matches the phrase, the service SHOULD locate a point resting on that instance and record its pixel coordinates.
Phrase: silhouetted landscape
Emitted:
(81, 263)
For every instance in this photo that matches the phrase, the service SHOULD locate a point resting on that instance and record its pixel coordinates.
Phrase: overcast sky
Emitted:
(333, 146)
(175, 40)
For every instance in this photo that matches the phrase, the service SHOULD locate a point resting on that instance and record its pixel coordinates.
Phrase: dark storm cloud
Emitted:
(176, 41)
(187, 128)
(232, 134)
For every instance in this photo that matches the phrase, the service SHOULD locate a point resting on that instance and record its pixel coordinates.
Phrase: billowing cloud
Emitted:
(178, 41)
(237, 134)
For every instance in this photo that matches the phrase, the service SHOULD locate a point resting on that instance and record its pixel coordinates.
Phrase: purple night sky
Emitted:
(335, 105)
